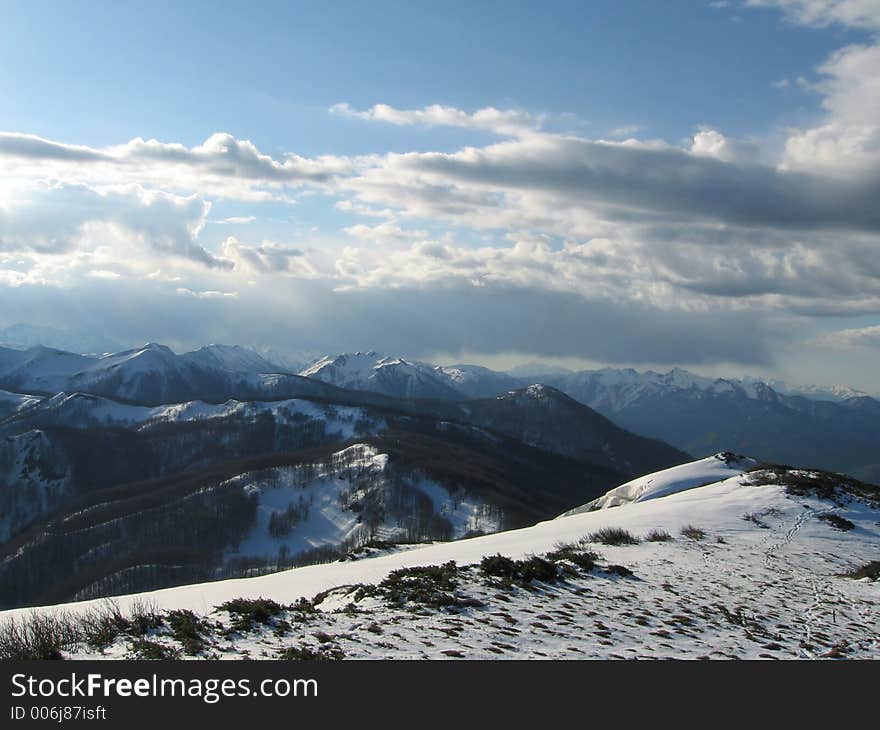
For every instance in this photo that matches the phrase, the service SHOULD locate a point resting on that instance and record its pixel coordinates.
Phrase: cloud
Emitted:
(237, 220)
(847, 141)
(571, 178)
(33, 147)
(627, 130)
(864, 337)
(60, 218)
(710, 142)
(387, 232)
(267, 257)
(222, 166)
(854, 13)
(508, 122)
(208, 294)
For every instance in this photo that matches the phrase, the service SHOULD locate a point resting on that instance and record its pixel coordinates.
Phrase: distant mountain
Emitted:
(201, 492)
(547, 418)
(704, 415)
(473, 381)
(392, 376)
(153, 374)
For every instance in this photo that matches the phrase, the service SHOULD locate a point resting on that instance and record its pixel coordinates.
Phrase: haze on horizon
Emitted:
(584, 183)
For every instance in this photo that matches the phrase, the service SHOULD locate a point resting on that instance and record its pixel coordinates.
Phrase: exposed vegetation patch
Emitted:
(693, 533)
(574, 553)
(308, 653)
(837, 522)
(870, 571)
(430, 585)
(189, 630)
(519, 572)
(247, 613)
(614, 536)
(38, 636)
(658, 535)
(814, 483)
(147, 649)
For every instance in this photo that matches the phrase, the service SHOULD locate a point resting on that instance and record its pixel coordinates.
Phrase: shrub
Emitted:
(144, 616)
(146, 649)
(837, 522)
(869, 570)
(188, 629)
(431, 585)
(38, 636)
(658, 536)
(756, 519)
(620, 570)
(305, 653)
(522, 572)
(614, 536)
(536, 568)
(498, 566)
(693, 533)
(246, 613)
(574, 553)
(99, 626)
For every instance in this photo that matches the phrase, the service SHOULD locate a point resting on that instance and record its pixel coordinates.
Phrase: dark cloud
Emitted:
(664, 181)
(417, 322)
(28, 145)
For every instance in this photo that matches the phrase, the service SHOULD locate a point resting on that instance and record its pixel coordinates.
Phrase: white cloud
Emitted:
(847, 141)
(868, 337)
(506, 122)
(222, 166)
(207, 294)
(854, 13)
(60, 218)
(237, 220)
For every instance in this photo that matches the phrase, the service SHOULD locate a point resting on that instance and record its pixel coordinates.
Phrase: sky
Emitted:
(616, 183)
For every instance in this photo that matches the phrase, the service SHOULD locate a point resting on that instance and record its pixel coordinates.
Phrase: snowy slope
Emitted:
(326, 507)
(392, 376)
(764, 580)
(473, 381)
(14, 402)
(669, 481)
(232, 358)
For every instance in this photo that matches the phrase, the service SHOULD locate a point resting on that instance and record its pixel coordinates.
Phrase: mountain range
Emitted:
(147, 468)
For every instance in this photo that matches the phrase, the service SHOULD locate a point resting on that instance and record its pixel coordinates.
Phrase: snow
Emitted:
(326, 522)
(669, 481)
(231, 358)
(14, 402)
(745, 591)
(79, 407)
(465, 514)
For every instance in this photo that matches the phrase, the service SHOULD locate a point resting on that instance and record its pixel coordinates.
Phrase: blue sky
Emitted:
(101, 73)
(685, 183)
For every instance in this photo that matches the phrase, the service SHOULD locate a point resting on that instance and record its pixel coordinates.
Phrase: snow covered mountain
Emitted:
(402, 378)
(232, 358)
(14, 402)
(473, 381)
(763, 562)
(392, 376)
(153, 374)
(705, 415)
(198, 492)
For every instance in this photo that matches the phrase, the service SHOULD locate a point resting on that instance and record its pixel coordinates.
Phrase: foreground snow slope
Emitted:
(760, 578)
(669, 481)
